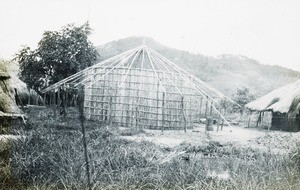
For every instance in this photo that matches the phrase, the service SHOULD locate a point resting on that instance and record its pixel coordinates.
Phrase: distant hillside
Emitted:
(224, 72)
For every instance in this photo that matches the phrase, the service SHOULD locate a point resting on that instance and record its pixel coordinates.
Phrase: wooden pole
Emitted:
(129, 100)
(211, 108)
(261, 121)
(67, 97)
(54, 102)
(200, 112)
(219, 120)
(163, 113)
(249, 119)
(183, 115)
(206, 107)
(223, 113)
(110, 111)
(82, 119)
(58, 100)
(137, 116)
(258, 120)
(157, 104)
(190, 111)
(64, 104)
(50, 99)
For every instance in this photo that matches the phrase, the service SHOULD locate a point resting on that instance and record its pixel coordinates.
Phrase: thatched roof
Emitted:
(279, 100)
(9, 85)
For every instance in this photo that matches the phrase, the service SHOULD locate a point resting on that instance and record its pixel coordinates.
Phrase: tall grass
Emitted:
(51, 157)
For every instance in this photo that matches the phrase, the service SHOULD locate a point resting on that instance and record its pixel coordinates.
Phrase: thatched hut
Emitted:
(284, 104)
(13, 87)
(140, 88)
(7, 102)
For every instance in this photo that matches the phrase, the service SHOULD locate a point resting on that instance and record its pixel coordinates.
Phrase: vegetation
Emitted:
(59, 54)
(242, 97)
(49, 155)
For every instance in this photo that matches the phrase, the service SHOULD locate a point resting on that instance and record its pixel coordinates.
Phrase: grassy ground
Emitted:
(49, 155)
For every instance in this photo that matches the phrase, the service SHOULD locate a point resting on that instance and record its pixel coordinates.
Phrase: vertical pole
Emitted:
(258, 120)
(157, 105)
(28, 96)
(262, 118)
(136, 116)
(223, 113)
(200, 112)
(110, 111)
(58, 100)
(211, 108)
(163, 113)
(81, 117)
(129, 101)
(122, 107)
(65, 94)
(45, 95)
(190, 111)
(67, 97)
(54, 102)
(50, 99)
(102, 115)
(206, 107)
(249, 119)
(219, 120)
(183, 115)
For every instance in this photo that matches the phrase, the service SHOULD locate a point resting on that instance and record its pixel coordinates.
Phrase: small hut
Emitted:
(142, 89)
(284, 104)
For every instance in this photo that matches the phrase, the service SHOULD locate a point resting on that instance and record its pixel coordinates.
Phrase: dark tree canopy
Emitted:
(242, 97)
(59, 54)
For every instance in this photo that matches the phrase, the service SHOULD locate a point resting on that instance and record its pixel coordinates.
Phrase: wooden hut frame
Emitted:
(140, 88)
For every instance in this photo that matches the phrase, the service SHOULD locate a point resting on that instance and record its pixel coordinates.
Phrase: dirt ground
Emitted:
(271, 141)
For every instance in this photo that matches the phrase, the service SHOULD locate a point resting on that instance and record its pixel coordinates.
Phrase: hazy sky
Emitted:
(266, 30)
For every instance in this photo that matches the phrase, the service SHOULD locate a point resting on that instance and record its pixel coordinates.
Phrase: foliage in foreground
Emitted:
(51, 157)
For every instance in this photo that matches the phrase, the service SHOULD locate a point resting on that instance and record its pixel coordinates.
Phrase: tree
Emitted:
(242, 97)
(59, 54)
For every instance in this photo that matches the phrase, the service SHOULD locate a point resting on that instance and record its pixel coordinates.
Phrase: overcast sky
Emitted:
(266, 30)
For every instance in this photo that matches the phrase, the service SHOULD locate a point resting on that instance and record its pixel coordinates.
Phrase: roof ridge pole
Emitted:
(180, 92)
(138, 92)
(95, 73)
(142, 65)
(207, 98)
(173, 64)
(125, 58)
(111, 64)
(198, 80)
(123, 61)
(188, 80)
(134, 58)
(159, 80)
(83, 72)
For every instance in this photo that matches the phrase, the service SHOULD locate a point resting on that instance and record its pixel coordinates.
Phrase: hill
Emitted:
(225, 72)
